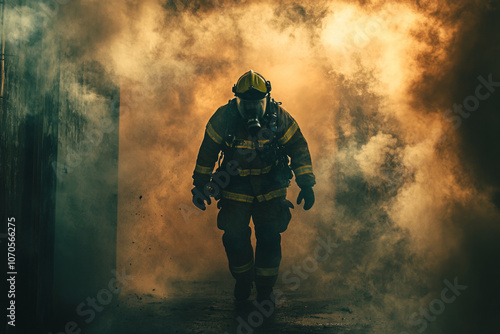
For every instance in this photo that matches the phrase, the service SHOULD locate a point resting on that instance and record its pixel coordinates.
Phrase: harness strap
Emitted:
(230, 143)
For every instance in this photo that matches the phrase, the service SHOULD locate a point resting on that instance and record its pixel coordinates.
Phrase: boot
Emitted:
(242, 289)
(265, 293)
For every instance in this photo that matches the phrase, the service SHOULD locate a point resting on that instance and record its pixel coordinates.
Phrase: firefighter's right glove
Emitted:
(199, 198)
(306, 194)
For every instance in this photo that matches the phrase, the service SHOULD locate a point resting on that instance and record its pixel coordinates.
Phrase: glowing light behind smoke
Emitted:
(362, 80)
(347, 72)
(184, 64)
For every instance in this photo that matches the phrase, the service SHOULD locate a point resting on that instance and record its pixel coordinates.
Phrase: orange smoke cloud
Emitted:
(183, 65)
(349, 73)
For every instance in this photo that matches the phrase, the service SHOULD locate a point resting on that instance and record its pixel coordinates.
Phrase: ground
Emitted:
(208, 307)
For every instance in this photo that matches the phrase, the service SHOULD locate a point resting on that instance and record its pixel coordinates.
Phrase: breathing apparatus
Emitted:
(252, 93)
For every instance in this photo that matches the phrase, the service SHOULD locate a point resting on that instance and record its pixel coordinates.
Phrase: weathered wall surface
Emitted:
(59, 165)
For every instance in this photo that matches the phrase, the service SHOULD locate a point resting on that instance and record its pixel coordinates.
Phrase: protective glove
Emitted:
(306, 194)
(199, 198)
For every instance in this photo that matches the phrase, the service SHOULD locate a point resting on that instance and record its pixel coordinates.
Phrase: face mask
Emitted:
(252, 111)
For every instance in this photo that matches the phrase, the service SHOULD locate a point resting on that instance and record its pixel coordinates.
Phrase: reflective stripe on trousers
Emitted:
(233, 219)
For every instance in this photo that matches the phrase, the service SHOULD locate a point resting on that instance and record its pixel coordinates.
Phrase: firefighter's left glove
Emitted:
(199, 198)
(306, 194)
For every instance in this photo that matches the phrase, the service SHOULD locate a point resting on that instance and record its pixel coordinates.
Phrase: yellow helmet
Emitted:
(252, 86)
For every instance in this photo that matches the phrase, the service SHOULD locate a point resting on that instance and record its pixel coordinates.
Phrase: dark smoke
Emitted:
(411, 199)
(474, 53)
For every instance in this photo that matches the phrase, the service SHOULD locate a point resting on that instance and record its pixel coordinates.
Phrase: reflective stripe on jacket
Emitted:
(251, 164)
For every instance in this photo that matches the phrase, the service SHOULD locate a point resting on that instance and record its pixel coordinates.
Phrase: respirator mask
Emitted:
(252, 112)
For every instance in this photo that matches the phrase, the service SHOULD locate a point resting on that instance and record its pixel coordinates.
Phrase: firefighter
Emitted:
(257, 145)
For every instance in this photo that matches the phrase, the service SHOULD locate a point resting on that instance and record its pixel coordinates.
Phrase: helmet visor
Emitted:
(251, 109)
(251, 81)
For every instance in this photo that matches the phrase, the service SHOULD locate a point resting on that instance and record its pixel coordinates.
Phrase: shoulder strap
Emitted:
(228, 134)
(273, 116)
(229, 137)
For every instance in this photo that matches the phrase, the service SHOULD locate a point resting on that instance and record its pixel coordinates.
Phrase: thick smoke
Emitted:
(406, 193)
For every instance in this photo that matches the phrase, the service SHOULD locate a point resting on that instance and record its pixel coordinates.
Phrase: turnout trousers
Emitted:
(270, 218)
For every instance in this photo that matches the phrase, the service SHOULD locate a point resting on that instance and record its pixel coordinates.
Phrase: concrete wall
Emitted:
(87, 188)
(58, 178)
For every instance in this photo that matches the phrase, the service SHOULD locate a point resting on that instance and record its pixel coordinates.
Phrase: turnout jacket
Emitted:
(249, 170)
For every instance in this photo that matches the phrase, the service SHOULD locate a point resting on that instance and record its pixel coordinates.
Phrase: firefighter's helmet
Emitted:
(252, 95)
(252, 86)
